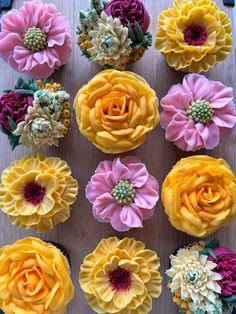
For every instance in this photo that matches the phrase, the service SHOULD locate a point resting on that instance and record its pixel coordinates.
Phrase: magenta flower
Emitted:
(123, 193)
(35, 39)
(198, 113)
(129, 11)
(15, 106)
(226, 267)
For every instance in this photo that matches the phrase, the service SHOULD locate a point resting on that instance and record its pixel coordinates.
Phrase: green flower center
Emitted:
(108, 43)
(35, 39)
(193, 274)
(123, 192)
(200, 111)
(41, 127)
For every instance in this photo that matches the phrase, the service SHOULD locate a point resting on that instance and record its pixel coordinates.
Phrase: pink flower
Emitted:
(35, 39)
(198, 113)
(123, 193)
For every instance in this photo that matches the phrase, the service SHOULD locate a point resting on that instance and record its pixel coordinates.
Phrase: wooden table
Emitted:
(81, 233)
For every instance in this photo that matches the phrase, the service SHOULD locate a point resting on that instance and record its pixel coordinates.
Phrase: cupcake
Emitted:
(35, 114)
(40, 43)
(121, 277)
(35, 278)
(202, 278)
(113, 34)
(36, 192)
(194, 35)
(198, 113)
(199, 195)
(122, 193)
(116, 110)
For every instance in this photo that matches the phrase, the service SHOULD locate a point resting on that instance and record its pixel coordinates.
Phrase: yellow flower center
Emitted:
(35, 39)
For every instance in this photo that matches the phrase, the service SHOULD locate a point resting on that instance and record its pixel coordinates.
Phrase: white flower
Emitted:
(205, 306)
(39, 129)
(193, 274)
(111, 42)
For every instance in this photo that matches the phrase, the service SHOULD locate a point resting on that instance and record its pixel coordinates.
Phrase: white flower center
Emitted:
(193, 273)
(108, 43)
(41, 127)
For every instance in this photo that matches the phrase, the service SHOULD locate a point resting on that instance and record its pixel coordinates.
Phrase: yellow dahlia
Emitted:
(34, 278)
(37, 192)
(116, 110)
(194, 35)
(121, 277)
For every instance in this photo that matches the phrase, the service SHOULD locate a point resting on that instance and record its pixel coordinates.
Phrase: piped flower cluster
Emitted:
(202, 278)
(35, 114)
(114, 34)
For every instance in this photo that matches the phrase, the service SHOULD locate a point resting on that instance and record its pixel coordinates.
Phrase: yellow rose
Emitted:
(37, 192)
(121, 277)
(194, 35)
(199, 195)
(116, 110)
(34, 278)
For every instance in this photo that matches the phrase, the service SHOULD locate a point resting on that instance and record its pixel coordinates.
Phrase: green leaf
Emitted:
(82, 15)
(12, 124)
(19, 82)
(213, 244)
(208, 251)
(131, 33)
(104, 2)
(230, 299)
(225, 306)
(24, 91)
(3, 130)
(7, 90)
(13, 140)
(139, 31)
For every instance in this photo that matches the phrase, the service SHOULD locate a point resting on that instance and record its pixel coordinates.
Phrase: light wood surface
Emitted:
(81, 233)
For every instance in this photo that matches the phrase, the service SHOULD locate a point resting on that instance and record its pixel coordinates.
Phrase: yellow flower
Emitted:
(199, 195)
(34, 278)
(121, 277)
(194, 35)
(116, 110)
(37, 192)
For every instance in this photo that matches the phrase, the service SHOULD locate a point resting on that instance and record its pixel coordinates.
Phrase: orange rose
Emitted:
(199, 195)
(116, 110)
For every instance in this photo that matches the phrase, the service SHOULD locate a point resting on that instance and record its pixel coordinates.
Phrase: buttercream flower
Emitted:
(194, 35)
(198, 113)
(226, 267)
(35, 278)
(116, 110)
(199, 195)
(129, 11)
(15, 106)
(110, 42)
(123, 193)
(35, 39)
(121, 277)
(39, 129)
(194, 275)
(37, 192)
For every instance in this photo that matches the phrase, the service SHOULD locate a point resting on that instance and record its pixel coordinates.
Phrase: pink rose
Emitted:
(226, 267)
(129, 11)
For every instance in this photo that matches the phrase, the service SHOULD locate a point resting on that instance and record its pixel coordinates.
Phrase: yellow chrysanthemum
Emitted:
(199, 195)
(34, 278)
(194, 35)
(37, 192)
(121, 277)
(116, 110)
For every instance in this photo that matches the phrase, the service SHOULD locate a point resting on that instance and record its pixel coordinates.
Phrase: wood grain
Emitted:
(81, 233)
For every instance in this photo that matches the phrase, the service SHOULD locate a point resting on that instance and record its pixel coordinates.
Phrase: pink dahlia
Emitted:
(15, 106)
(198, 113)
(123, 193)
(35, 39)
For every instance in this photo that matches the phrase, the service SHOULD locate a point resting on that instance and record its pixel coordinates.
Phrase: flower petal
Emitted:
(131, 216)
(197, 84)
(138, 172)
(147, 196)
(104, 207)
(209, 133)
(117, 223)
(177, 127)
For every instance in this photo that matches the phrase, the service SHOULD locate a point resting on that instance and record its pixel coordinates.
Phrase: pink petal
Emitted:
(138, 172)
(178, 101)
(219, 95)
(119, 170)
(104, 167)
(24, 58)
(64, 51)
(56, 40)
(13, 22)
(209, 133)
(131, 216)
(176, 128)
(147, 196)
(177, 88)
(7, 45)
(48, 56)
(192, 137)
(225, 117)
(116, 222)
(147, 213)
(105, 206)
(99, 184)
(197, 84)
